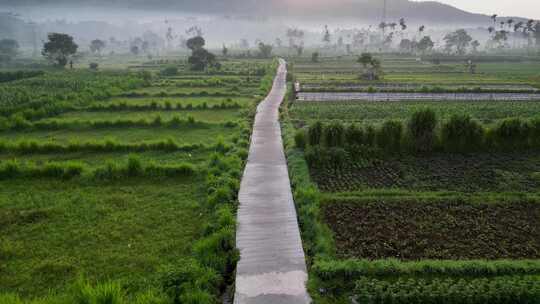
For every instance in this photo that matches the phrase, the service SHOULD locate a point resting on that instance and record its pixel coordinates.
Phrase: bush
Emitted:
(512, 134)
(315, 134)
(422, 130)
(108, 293)
(535, 133)
(354, 135)
(462, 134)
(217, 251)
(188, 280)
(389, 137)
(134, 166)
(333, 135)
(300, 139)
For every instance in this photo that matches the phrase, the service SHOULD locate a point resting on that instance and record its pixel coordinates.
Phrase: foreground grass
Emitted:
(124, 231)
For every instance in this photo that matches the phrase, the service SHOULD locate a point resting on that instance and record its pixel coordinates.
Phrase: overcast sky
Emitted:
(522, 8)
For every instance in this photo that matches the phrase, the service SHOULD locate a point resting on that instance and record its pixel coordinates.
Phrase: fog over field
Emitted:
(238, 22)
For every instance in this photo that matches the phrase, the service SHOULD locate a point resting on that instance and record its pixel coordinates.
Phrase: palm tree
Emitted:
(402, 24)
(510, 22)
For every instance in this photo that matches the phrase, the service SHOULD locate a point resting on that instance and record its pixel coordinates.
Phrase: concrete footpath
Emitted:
(272, 266)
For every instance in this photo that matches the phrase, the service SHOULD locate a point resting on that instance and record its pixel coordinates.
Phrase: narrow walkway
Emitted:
(272, 266)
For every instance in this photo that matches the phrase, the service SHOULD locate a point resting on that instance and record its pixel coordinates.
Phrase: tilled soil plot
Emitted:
(445, 172)
(448, 230)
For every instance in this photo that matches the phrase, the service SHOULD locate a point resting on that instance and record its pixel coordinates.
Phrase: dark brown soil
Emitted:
(445, 172)
(447, 230)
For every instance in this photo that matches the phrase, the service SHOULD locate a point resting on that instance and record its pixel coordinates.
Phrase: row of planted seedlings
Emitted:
(356, 280)
(329, 144)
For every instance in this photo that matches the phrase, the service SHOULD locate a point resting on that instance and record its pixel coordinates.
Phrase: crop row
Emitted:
(18, 123)
(499, 290)
(34, 147)
(133, 168)
(420, 135)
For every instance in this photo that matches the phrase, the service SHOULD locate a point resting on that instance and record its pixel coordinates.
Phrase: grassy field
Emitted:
(125, 231)
(120, 211)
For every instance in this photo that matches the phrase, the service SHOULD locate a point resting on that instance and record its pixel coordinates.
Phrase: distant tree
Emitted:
(244, 44)
(471, 66)
(195, 43)
(194, 31)
(365, 59)
(145, 47)
(500, 38)
(340, 42)
(93, 66)
(225, 51)
(134, 50)
(459, 39)
(425, 44)
(359, 39)
(374, 72)
(8, 49)
(402, 24)
(279, 43)
(537, 34)
(406, 45)
(421, 29)
(59, 48)
(96, 46)
(299, 49)
(315, 57)
(296, 37)
(326, 35)
(201, 59)
(475, 45)
(265, 50)
(169, 36)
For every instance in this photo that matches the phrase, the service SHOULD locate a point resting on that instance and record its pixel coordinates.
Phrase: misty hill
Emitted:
(362, 10)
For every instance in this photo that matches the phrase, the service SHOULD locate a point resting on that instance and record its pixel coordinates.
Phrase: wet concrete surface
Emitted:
(272, 267)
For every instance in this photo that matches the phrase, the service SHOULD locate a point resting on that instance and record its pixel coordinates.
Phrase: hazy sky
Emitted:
(525, 8)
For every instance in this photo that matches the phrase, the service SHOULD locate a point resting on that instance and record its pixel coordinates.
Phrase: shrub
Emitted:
(389, 136)
(108, 293)
(217, 251)
(109, 172)
(10, 169)
(422, 130)
(300, 139)
(535, 133)
(354, 135)
(134, 166)
(462, 134)
(333, 135)
(187, 279)
(315, 134)
(512, 134)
